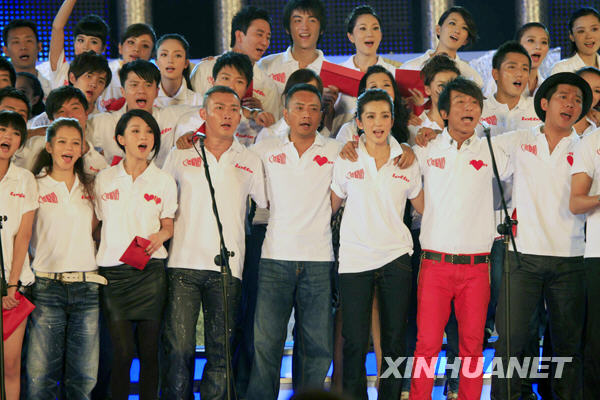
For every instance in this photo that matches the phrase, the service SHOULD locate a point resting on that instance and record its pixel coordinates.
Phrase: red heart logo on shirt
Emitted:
(157, 200)
(477, 164)
(149, 197)
(320, 160)
(570, 160)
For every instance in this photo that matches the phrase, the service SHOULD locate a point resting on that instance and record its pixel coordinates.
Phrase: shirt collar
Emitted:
(287, 56)
(537, 130)
(180, 91)
(11, 173)
(395, 147)
(471, 143)
(146, 175)
(319, 140)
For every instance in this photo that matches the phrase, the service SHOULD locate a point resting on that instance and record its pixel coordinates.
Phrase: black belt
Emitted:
(456, 258)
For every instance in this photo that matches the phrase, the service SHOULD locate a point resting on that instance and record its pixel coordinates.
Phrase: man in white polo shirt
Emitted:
(585, 200)
(457, 232)
(549, 237)
(250, 35)
(297, 254)
(194, 278)
(304, 21)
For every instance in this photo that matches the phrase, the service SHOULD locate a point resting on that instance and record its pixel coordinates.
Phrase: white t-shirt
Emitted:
(60, 77)
(416, 64)
(587, 160)
(62, 235)
(372, 232)
(101, 130)
(183, 96)
(413, 130)
(299, 199)
(501, 119)
(263, 87)
(18, 195)
(130, 208)
(541, 188)
(280, 66)
(459, 208)
(237, 174)
(571, 64)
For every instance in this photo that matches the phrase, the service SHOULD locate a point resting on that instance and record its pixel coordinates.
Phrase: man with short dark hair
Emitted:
(194, 278)
(549, 238)
(457, 232)
(297, 254)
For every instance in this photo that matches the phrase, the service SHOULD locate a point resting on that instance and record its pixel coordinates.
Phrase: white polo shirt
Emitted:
(26, 157)
(345, 107)
(571, 64)
(459, 209)
(587, 160)
(379, 197)
(58, 246)
(541, 188)
(501, 119)
(183, 96)
(299, 199)
(263, 87)
(18, 195)
(280, 66)
(130, 208)
(416, 64)
(348, 133)
(44, 81)
(101, 130)
(237, 174)
(60, 77)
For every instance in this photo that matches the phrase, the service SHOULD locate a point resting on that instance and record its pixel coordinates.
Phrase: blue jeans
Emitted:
(306, 287)
(188, 289)
(62, 330)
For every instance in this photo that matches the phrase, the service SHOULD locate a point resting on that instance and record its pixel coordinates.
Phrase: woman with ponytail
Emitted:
(63, 329)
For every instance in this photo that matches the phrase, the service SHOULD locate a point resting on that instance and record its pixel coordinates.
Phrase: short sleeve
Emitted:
(170, 198)
(583, 159)
(339, 183)
(98, 197)
(258, 190)
(416, 183)
(421, 154)
(31, 193)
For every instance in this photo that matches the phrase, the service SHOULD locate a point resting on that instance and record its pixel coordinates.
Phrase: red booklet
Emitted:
(115, 160)
(14, 316)
(408, 79)
(135, 255)
(345, 79)
(249, 91)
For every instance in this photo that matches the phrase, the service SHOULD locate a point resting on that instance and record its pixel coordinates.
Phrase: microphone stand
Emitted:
(505, 229)
(3, 292)
(222, 260)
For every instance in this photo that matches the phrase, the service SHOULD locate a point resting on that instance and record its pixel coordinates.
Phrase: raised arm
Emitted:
(57, 40)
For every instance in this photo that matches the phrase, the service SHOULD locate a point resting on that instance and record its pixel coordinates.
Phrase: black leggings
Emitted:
(124, 342)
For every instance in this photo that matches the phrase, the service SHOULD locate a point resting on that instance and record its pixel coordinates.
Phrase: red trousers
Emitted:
(469, 287)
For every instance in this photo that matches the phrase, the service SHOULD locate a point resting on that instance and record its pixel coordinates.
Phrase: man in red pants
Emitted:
(457, 233)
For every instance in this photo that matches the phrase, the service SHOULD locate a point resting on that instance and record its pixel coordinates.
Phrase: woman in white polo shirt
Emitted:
(375, 245)
(134, 198)
(63, 329)
(18, 196)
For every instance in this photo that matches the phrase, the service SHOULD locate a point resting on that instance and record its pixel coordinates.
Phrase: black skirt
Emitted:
(132, 294)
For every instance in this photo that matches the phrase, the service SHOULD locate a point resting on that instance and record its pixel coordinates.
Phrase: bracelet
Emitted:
(9, 286)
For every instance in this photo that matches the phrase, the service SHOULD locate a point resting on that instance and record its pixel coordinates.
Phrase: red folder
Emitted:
(135, 255)
(408, 79)
(345, 79)
(14, 316)
(115, 160)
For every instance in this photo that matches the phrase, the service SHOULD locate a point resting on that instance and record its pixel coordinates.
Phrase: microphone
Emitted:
(197, 135)
(486, 129)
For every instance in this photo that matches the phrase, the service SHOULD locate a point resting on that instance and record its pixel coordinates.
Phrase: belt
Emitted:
(456, 258)
(72, 277)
